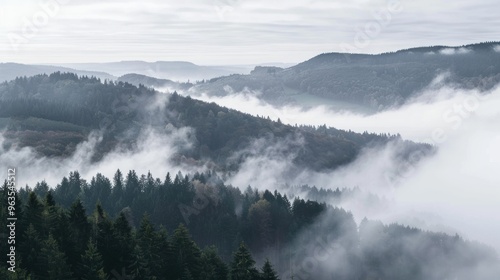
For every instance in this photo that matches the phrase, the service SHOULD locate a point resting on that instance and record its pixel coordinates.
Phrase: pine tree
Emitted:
(166, 257)
(148, 242)
(187, 253)
(141, 267)
(30, 249)
(69, 189)
(213, 266)
(118, 191)
(61, 232)
(34, 213)
(79, 228)
(106, 240)
(50, 214)
(55, 261)
(268, 272)
(125, 242)
(91, 266)
(243, 265)
(132, 188)
(186, 275)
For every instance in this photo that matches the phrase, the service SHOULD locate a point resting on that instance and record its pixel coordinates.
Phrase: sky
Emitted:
(233, 32)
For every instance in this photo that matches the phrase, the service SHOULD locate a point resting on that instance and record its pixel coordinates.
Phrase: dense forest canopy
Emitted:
(196, 227)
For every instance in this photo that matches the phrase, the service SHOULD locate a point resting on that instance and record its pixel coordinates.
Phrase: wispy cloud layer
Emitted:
(231, 31)
(155, 152)
(455, 190)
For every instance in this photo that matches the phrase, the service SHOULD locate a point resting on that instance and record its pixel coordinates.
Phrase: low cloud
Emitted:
(266, 163)
(453, 51)
(443, 107)
(454, 191)
(154, 151)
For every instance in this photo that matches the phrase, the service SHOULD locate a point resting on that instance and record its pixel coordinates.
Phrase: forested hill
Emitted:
(372, 81)
(9, 71)
(194, 227)
(53, 113)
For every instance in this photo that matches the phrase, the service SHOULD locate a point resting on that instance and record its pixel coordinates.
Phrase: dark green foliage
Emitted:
(54, 261)
(187, 254)
(69, 189)
(214, 267)
(243, 265)
(34, 213)
(30, 251)
(91, 266)
(79, 232)
(268, 272)
(106, 241)
(153, 250)
(106, 245)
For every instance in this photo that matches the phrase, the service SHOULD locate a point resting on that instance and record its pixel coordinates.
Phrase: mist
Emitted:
(438, 107)
(155, 151)
(453, 191)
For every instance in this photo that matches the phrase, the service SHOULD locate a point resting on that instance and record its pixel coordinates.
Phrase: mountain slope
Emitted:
(222, 136)
(10, 71)
(372, 81)
(172, 70)
(138, 79)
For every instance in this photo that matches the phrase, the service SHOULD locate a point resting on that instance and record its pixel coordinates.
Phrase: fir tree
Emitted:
(187, 253)
(268, 272)
(91, 266)
(243, 265)
(55, 261)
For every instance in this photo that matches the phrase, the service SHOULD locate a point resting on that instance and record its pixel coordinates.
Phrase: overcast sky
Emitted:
(212, 32)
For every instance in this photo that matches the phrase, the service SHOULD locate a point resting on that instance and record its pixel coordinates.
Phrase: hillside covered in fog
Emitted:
(366, 82)
(53, 114)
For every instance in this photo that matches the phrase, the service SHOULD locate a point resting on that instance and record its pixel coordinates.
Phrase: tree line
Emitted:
(152, 228)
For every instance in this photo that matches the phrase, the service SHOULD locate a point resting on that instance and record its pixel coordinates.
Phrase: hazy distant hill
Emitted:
(371, 81)
(138, 79)
(357, 82)
(172, 70)
(9, 71)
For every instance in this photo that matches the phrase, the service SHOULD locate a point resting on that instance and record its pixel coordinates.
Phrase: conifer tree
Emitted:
(187, 253)
(125, 243)
(213, 266)
(55, 261)
(268, 272)
(243, 265)
(30, 250)
(34, 213)
(91, 266)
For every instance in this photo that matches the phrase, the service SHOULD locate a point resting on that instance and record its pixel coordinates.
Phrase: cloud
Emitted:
(155, 151)
(265, 163)
(453, 51)
(234, 32)
(444, 108)
(455, 190)
(497, 48)
(153, 148)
